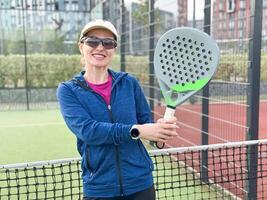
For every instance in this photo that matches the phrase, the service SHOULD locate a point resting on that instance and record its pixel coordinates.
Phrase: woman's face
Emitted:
(97, 56)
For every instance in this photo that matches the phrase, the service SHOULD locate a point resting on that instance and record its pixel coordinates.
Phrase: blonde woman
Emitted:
(108, 113)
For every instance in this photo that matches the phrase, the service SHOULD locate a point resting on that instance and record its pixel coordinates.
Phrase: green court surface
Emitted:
(33, 136)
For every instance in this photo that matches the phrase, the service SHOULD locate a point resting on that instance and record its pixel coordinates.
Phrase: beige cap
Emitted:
(99, 23)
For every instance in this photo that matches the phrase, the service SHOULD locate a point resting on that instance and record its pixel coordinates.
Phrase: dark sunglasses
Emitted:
(93, 42)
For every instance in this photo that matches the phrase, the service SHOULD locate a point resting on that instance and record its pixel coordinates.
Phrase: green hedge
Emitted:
(44, 70)
(235, 67)
(264, 68)
(47, 70)
(232, 68)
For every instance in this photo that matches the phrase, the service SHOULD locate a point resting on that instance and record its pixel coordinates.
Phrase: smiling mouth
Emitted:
(98, 56)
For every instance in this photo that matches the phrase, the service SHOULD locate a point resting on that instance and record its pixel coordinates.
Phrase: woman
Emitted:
(108, 113)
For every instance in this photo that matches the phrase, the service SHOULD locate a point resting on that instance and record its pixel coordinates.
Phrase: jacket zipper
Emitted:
(117, 156)
(118, 169)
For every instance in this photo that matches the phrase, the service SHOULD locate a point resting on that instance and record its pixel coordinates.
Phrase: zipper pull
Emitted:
(109, 107)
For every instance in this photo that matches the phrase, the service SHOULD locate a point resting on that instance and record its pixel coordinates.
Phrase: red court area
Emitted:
(227, 122)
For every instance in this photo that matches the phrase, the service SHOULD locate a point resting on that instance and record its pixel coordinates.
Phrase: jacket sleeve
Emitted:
(84, 127)
(142, 108)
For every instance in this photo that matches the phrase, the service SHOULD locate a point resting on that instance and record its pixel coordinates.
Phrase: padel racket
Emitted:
(185, 60)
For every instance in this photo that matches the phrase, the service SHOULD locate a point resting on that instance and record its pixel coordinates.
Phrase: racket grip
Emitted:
(169, 113)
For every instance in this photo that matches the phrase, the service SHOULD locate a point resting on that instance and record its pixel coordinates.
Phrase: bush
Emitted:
(264, 67)
(232, 68)
(47, 70)
(44, 70)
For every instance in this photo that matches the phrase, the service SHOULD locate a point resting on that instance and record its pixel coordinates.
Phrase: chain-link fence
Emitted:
(39, 50)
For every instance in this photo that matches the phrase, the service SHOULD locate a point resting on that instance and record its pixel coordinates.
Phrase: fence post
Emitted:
(151, 52)
(123, 31)
(25, 54)
(253, 95)
(205, 103)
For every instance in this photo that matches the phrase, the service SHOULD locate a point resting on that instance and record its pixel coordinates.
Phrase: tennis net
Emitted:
(235, 170)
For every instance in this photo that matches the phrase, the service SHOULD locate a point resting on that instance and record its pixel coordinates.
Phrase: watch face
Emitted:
(134, 132)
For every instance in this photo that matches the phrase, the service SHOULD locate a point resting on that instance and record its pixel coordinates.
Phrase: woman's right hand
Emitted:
(158, 132)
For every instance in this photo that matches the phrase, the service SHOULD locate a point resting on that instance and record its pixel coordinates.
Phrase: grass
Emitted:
(33, 136)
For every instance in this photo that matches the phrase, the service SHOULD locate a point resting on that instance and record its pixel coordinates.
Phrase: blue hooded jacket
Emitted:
(113, 164)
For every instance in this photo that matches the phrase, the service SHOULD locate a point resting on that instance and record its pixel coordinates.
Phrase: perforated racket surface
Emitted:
(185, 60)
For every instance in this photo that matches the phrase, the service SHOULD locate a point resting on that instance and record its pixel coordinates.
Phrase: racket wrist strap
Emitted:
(169, 112)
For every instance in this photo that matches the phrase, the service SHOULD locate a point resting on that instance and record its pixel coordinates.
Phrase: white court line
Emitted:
(30, 125)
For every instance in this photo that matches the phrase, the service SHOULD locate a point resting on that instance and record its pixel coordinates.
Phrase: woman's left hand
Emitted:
(172, 120)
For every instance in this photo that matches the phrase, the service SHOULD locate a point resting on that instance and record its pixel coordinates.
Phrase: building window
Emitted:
(241, 34)
(221, 6)
(242, 5)
(231, 24)
(221, 16)
(230, 6)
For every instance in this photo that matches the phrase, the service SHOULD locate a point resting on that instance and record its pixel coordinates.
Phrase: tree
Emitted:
(140, 16)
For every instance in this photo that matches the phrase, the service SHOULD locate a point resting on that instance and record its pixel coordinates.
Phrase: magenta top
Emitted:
(103, 89)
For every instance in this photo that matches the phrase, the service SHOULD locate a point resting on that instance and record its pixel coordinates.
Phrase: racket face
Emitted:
(185, 59)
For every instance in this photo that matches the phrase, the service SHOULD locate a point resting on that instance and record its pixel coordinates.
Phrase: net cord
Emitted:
(151, 153)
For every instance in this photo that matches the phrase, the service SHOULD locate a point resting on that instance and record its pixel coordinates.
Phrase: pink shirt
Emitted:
(103, 89)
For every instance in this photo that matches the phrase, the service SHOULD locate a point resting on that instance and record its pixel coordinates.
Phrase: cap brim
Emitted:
(97, 27)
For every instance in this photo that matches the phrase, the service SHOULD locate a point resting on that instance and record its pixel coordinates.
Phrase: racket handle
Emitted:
(169, 113)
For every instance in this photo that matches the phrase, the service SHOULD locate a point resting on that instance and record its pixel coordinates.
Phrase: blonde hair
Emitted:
(82, 61)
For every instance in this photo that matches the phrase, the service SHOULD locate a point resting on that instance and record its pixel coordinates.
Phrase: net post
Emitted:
(253, 95)
(205, 104)
(151, 52)
(123, 36)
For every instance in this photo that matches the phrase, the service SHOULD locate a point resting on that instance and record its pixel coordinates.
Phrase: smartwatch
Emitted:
(134, 132)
